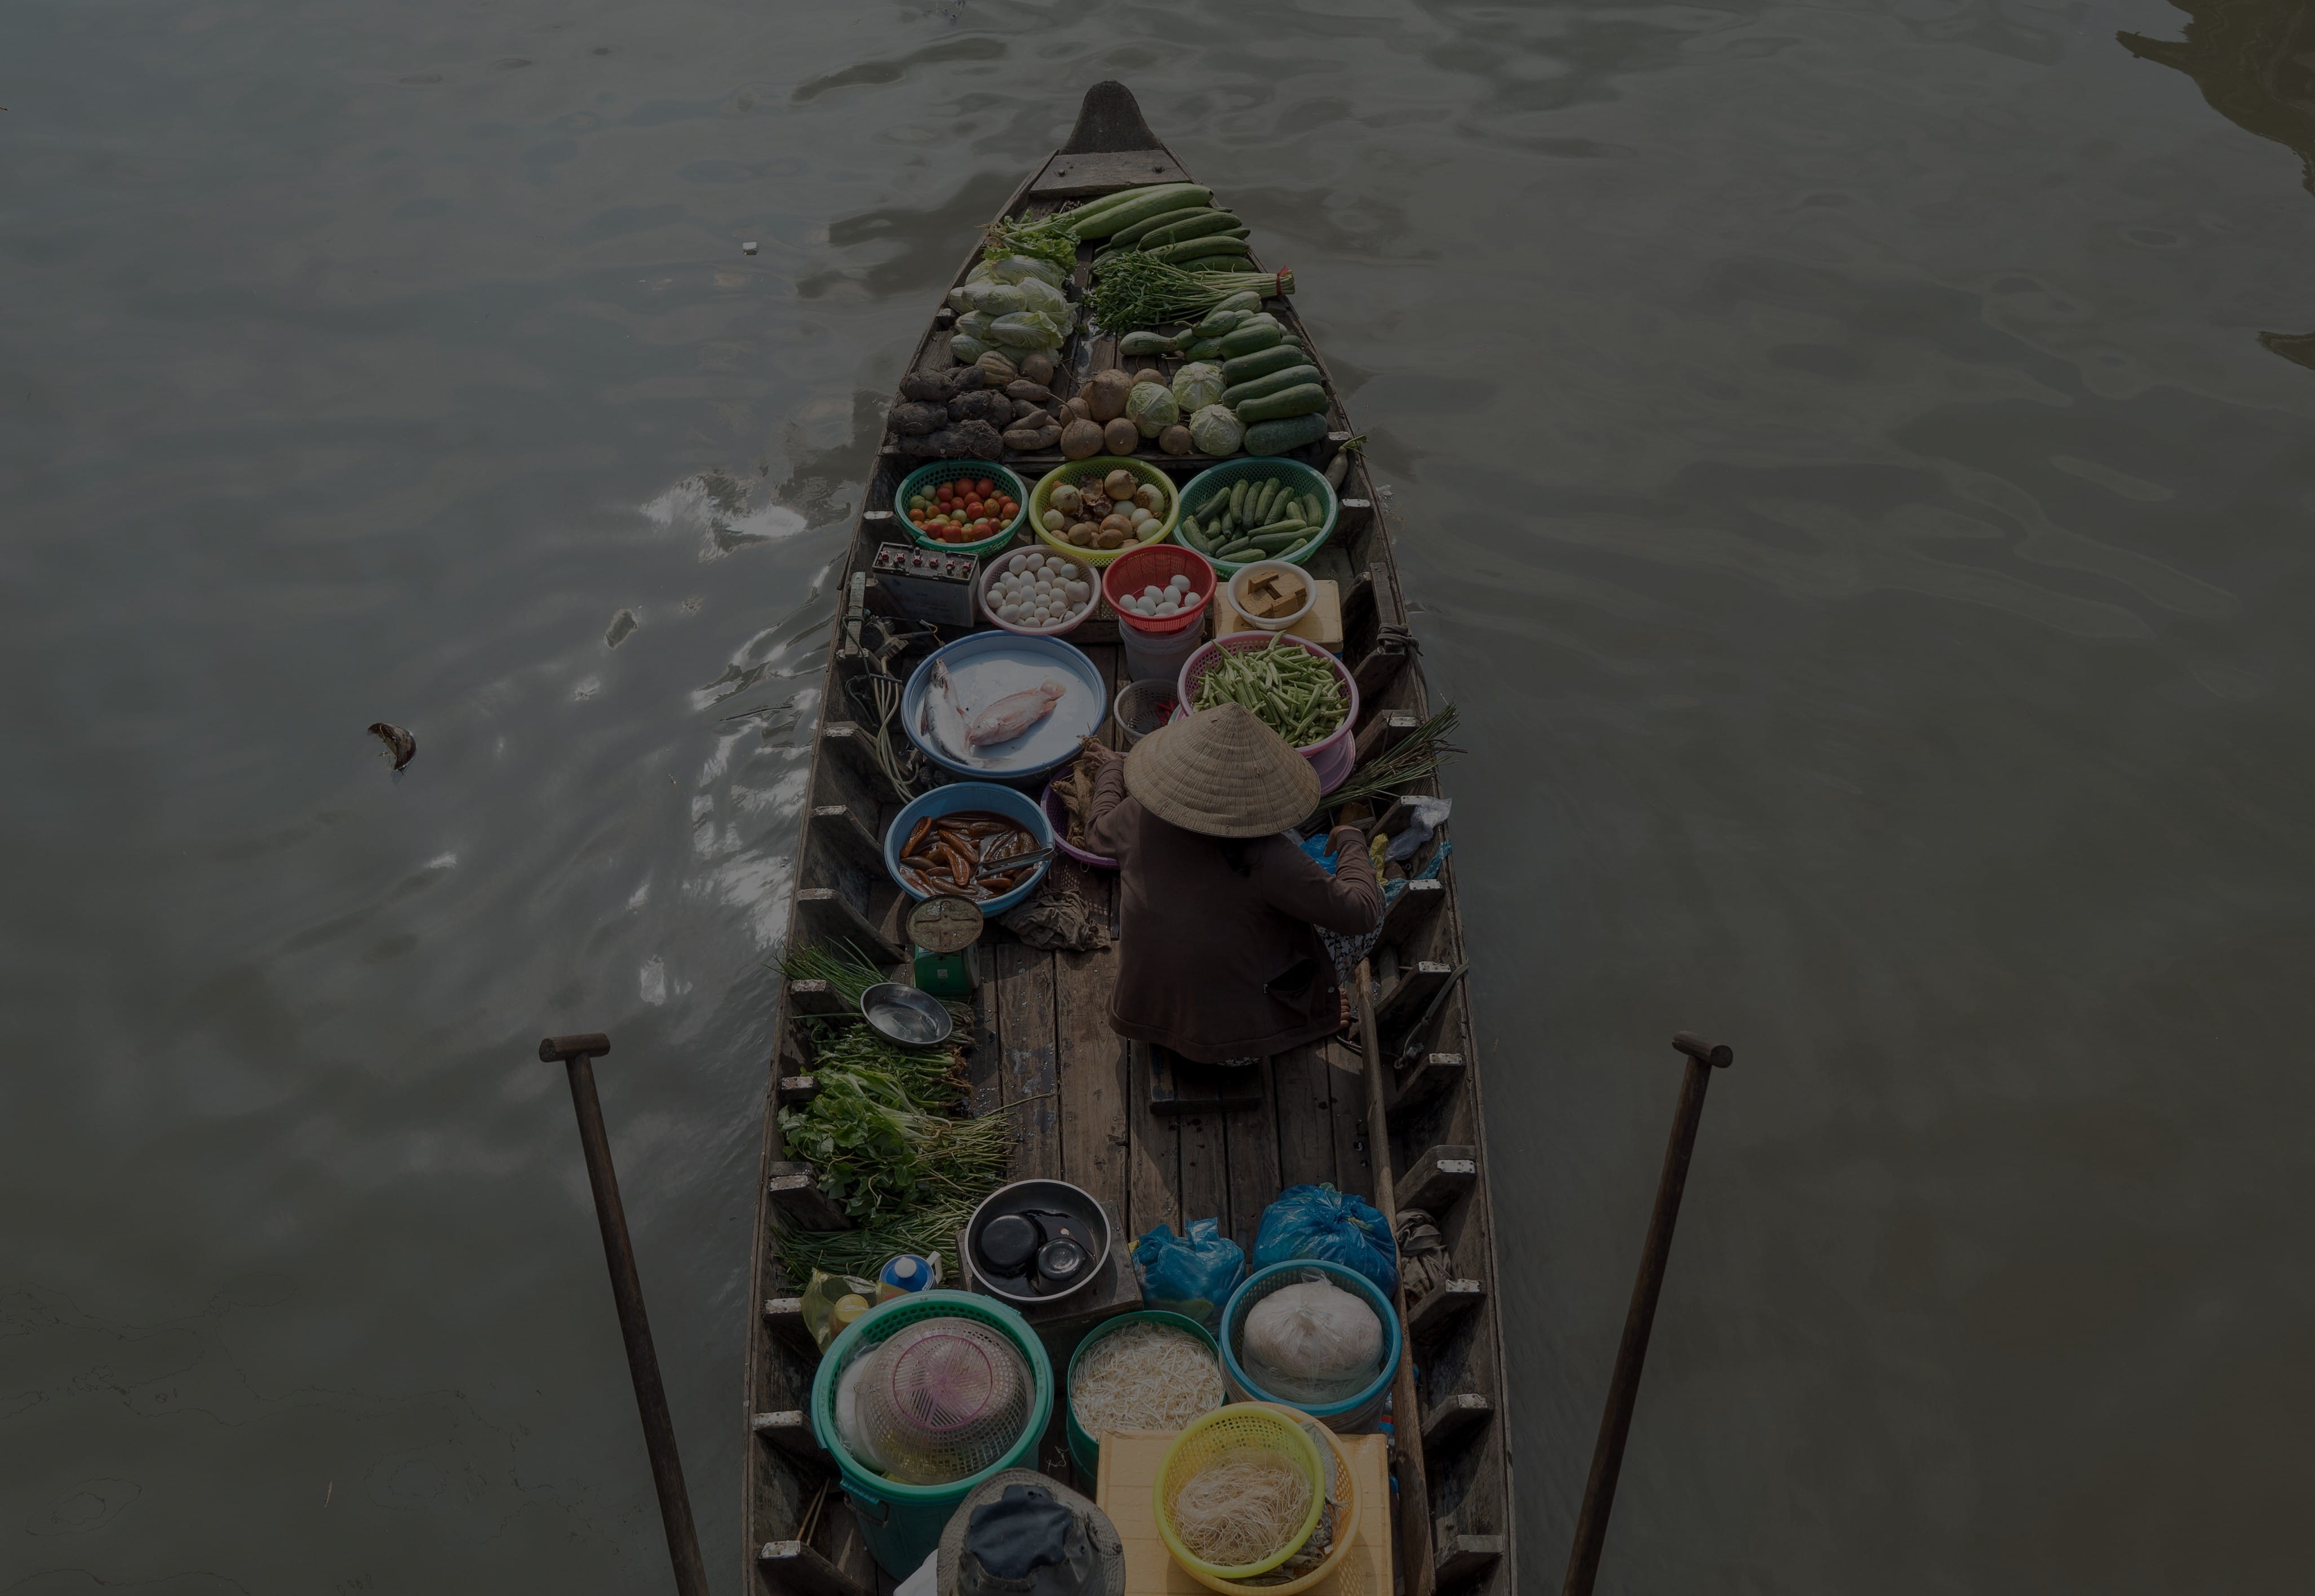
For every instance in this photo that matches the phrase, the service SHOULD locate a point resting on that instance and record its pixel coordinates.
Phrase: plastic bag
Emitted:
(1192, 1276)
(1332, 1227)
(832, 1302)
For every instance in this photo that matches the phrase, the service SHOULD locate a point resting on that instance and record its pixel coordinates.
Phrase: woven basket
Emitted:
(1201, 489)
(929, 477)
(1102, 466)
(1225, 1430)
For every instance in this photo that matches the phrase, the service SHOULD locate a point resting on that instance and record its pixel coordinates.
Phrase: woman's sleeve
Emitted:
(1106, 822)
(1348, 902)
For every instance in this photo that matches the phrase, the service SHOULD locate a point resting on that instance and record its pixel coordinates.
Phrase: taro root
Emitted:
(1120, 484)
(1029, 439)
(1104, 396)
(914, 419)
(982, 404)
(1081, 441)
(1121, 436)
(1083, 533)
(966, 440)
(1175, 440)
(1039, 367)
(943, 384)
(1112, 537)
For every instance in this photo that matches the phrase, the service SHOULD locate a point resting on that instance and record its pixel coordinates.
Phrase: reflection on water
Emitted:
(2255, 62)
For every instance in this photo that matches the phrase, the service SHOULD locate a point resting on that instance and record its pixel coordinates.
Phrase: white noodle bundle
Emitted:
(1245, 1507)
(1145, 1376)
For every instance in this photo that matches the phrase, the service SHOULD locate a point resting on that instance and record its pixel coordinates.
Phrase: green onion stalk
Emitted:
(1418, 755)
(1133, 289)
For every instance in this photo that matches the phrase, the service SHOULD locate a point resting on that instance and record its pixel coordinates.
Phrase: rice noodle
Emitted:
(1243, 1507)
(1145, 1376)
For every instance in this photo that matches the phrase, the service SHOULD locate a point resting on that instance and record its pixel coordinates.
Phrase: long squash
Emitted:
(1302, 399)
(1276, 381)
(1146, 203)
(1134, 232)
(1262, 362)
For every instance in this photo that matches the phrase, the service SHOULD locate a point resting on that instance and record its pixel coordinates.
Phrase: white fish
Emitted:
(942, 719)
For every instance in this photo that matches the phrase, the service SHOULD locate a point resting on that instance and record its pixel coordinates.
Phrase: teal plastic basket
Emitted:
(902, 1523)
(1085, 1451)
(934, 473)
(1215, 480)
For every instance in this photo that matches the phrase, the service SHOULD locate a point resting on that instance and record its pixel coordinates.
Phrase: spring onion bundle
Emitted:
(1133, 289)
(845, 968)
(1418, 756)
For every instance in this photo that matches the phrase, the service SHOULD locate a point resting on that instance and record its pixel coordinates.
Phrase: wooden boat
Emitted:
(1086, 1111)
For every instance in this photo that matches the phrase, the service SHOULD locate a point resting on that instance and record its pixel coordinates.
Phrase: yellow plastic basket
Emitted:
(1142, 471)
(1279, 1429)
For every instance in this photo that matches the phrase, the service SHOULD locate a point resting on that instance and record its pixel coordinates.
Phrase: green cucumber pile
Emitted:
(1267, 518)
(1289, 689)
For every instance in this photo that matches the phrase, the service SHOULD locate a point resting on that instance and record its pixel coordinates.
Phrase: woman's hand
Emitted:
(1098, 754)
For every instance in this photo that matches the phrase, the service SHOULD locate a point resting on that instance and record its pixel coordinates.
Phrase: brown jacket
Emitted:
(1218, 965)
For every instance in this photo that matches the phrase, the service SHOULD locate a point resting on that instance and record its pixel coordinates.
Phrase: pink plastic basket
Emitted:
(1156, 564)
(1331, 757)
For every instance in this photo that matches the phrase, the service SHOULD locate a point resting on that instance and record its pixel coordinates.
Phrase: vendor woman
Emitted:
(1219, 955)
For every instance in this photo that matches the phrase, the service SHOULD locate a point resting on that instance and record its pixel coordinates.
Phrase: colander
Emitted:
(941, 1399)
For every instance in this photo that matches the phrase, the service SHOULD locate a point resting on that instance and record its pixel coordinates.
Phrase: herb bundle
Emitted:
(1133, 289)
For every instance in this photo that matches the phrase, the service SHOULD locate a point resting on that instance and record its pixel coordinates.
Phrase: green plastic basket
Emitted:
(902, 1523)
(934, 473)
(1219, 479)
(1102, 466)
(1085, 1451)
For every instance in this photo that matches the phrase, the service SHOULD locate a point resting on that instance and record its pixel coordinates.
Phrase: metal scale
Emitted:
(942, 932)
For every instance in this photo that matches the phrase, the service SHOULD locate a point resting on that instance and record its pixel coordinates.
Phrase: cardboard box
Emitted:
(1128, 1477)
(1323, 625)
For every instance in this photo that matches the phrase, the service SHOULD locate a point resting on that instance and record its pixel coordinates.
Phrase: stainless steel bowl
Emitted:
(902, 1014)
(1054, 1200)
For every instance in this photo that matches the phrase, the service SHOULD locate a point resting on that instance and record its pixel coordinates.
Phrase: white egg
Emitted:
(1009, 612)
(1079, 591)
(1179, 583)
(1019, 561)
(1151, 591)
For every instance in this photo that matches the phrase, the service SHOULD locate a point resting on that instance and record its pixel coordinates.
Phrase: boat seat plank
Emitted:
(1205, 1180)
(1252, 1140)
(1030, 1068)
(1154, 1174)
(1303, 1096)
(1346, 1084)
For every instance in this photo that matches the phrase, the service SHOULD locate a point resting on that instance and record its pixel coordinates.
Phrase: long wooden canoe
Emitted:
(1084, 1096)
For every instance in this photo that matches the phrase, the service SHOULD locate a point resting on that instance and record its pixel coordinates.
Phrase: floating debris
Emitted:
(402, 746)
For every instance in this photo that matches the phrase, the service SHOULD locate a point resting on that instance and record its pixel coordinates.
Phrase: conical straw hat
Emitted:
(1221, 773)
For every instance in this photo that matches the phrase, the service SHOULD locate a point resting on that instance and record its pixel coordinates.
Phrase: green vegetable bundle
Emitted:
(1132, 290)
(1288, 687)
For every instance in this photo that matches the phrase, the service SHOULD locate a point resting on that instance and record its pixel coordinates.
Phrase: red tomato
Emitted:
(986, 487)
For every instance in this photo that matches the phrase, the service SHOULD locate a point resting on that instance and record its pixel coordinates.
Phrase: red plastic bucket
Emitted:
(1155, 566)
(1331, 757)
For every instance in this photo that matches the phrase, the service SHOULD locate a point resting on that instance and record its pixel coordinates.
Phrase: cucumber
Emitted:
(1277, 382)
(1237, 498)
(1306, 399)
(1181, 230)
(1281, 544)
(1275, 438)
(1182, 255)
(1278, 357)
(1260, 333)
(1313, 511)
(1192, 535)
(1277, 528)
(1134, 233)
(1257, 502)
(1231, 314)
(1105, 216)
(1240, 551)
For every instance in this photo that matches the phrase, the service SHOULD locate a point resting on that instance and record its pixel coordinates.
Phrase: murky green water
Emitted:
(1857, 473)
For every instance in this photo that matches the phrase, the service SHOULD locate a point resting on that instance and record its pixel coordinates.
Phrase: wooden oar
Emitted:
(627, 1293)
(1405, 1415)
(1624, 1385)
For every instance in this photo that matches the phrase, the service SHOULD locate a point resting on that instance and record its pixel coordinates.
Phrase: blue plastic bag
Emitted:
(1332, 1226)
(1192, 1277)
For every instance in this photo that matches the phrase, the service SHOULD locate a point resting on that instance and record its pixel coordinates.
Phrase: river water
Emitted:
(1856, 473)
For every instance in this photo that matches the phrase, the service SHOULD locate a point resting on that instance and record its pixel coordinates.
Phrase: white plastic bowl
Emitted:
(998, 564)
(1249, 573)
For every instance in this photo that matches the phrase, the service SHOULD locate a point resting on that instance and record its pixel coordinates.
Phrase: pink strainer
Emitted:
(946, 1398)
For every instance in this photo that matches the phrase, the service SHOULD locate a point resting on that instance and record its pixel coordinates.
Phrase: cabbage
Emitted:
(1014, 268)
(958, 301)
(1150, 407)
(1040, 294)
(1198, 385)
(968, 350)
(1216, 431)
(1026, 329)
(974, 323)
(997, 299)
